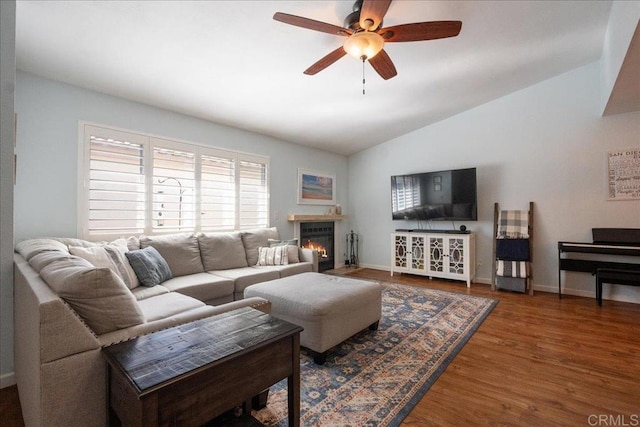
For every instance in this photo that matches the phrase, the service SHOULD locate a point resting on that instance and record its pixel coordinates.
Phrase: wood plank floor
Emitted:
(535, 361)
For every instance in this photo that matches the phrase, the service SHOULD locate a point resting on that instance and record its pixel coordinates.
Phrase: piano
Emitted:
(606, 241)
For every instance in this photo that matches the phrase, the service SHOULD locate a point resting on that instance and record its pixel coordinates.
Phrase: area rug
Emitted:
(376, 377)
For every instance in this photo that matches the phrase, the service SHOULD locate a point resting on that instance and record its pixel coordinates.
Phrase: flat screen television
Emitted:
(448, 195)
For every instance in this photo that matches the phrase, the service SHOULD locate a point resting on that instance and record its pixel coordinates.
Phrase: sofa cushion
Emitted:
(276, 255)
(220, 251)
(243, 277)
(150, 267)
(166, 305)
(181, 251)
(133, 243)
(29, 248)
(289, 269)
(292, 246)
(98, 295)
(42, 259)
(201, 286)
(110, 256)
(144, 292)
(254, 239)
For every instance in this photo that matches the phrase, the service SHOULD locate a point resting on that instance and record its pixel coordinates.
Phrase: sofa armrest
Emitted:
(309, 255)
(49, 334)
(46, 326)
(181, 318)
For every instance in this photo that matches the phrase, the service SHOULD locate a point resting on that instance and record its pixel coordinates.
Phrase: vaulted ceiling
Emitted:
(231, 63)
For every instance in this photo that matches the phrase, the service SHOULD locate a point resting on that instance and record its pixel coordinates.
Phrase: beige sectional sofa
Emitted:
(72, 297)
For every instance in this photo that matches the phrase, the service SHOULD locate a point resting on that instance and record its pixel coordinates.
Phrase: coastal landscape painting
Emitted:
(316, 188)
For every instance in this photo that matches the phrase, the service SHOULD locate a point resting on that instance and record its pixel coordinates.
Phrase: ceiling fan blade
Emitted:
(311, 24)
(421, 31)
(326, 61)
(373, 10)
(383, 65)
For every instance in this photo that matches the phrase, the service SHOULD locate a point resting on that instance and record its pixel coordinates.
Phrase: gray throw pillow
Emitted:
(149, 266)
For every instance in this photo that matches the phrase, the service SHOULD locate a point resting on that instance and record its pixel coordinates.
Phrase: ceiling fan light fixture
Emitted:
(365, 44)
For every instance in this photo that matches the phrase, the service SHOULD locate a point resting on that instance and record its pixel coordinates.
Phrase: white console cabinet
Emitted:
(445, 255)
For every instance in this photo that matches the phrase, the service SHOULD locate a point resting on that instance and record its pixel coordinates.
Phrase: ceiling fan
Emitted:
(365, 37)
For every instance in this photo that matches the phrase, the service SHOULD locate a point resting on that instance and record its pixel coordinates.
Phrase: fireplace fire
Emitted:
(322, 251)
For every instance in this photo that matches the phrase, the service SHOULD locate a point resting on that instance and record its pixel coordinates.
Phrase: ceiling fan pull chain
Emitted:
(363, 81)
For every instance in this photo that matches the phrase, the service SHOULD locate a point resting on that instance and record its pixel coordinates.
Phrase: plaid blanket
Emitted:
(513, 225)
(512, 268)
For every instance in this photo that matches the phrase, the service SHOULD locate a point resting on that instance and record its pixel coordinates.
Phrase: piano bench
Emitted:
(615, 276)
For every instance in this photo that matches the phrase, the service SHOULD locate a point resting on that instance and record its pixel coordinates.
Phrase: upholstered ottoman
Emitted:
(329, 308)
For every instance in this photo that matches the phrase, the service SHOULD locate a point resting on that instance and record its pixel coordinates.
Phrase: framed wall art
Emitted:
(623, 174)
(316, 188)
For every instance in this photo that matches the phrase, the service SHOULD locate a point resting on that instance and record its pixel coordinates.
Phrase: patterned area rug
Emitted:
(376, 377)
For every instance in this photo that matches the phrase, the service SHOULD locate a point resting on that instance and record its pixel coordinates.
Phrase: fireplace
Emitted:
(319, 236)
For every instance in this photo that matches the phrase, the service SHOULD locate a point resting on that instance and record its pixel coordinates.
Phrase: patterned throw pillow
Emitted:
(292, 248)
(272, 256)
(149, 266)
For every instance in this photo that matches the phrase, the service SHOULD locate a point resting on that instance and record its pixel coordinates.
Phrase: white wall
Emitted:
(7, 90)
(545, 144)
(49, 111)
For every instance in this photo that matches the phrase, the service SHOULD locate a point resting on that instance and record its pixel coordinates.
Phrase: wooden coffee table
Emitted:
(190, 374)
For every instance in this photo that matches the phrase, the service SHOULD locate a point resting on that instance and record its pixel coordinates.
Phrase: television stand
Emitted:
(447, 254)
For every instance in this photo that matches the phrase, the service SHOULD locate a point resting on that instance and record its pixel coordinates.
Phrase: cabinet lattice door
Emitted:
(418, 253)
(456, 256)
(400, 243)
(436, 250)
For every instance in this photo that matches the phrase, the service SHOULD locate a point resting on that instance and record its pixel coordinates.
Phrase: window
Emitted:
(135, 184)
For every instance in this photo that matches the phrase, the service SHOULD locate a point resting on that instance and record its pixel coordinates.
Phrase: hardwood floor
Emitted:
(535, 361)
(10, 412)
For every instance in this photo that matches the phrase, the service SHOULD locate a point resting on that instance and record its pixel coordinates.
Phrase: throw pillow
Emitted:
(272, 256)
(96, 294)
(292, 248)
(149, 266)
(111, 256)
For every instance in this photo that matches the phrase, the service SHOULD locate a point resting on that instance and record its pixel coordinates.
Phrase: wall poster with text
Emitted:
(624, 174)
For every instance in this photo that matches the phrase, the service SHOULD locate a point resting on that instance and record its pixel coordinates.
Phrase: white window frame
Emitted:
(85, 129)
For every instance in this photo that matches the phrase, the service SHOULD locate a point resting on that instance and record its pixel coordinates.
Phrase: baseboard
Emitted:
(536, 287)
(7, 380)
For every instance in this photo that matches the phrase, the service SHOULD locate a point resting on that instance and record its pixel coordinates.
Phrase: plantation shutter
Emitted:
(174, 185)
(253, 194)
(415, 192)
(134, 184)
(116, 184)
(218, 192)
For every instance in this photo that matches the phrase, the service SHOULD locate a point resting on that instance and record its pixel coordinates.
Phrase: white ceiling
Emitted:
(231, 63)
